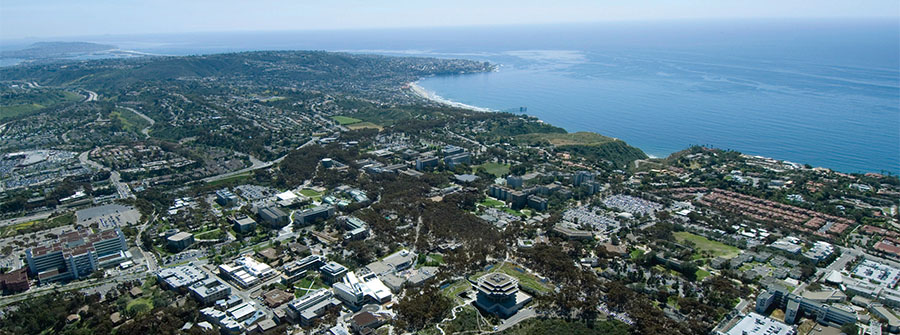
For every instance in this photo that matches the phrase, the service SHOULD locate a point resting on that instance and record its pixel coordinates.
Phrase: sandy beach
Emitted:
(422, 92)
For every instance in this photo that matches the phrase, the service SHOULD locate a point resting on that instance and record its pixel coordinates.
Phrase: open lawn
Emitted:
(636, 253)
(310, 193)
(495, 169)
(139, 305)
(345, 120)
(303, 284)
(491, 202)
(211, 235)
(716, 249)
(700, 274)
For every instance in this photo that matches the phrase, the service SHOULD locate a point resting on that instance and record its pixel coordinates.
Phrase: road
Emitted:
(522, 315)
(149, 257)
(92, 96)
(39, 216)
(43, 290)
(114, 177)
(257, 164)
(146, 130)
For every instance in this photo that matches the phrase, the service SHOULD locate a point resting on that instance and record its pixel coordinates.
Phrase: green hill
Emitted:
(588, 145)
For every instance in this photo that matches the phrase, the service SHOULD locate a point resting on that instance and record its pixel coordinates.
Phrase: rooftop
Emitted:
(755, 324)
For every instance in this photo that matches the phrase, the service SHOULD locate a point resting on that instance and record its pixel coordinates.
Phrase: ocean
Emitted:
(822, 92)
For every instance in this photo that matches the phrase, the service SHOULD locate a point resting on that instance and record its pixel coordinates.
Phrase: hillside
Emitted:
(588, 145)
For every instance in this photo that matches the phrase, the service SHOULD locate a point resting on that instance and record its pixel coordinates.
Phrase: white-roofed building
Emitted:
(357, 290)
(755, 324)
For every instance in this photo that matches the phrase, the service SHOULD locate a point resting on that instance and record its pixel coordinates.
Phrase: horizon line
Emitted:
(439, 27)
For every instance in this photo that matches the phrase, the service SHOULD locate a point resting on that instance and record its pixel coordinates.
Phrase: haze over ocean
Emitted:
(823, 92)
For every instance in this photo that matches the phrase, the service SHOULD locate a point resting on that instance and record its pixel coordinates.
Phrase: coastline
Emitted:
(431, 96)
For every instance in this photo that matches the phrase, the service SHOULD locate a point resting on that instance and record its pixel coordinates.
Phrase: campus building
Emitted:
(311, 306)
(332, 272)
(795, 307)
(180, 241)
(310, 216)
(76, 255)
(358, 290)
(499, 294)
(243, 223)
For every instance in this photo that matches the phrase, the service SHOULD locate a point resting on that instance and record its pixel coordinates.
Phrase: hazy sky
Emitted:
(52, 18)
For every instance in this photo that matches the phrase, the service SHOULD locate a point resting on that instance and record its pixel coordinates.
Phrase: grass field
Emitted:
(716, 249)
(636, 253)
(139, 305)
(491, 202)
(303, 284)
(700, 274)
(345, 120)
(310, 193)
(211, 235)
(495, 169)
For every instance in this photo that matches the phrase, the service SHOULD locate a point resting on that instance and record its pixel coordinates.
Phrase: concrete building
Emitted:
(180, 241)
(820, 251)
(332, 272)
(209, 290)
(246, 271)
(514, 181)
(426, 163)
(15, 281)
(537, 203)
(461, 158)
(567, 231)
(356, 234)
(755, 324)
(243, 223)
(796, 307)
(180, 277)
(310, 216)
(76, 254)
(451, 150)
(225, 198)
(582, 177)
(311, 306)
(356, 291)
(239, 275)
(880, 311)
(273, 216)
(296, 270)
(499, 294)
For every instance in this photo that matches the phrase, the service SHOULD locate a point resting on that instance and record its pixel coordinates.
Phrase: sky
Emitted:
(61, 18)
